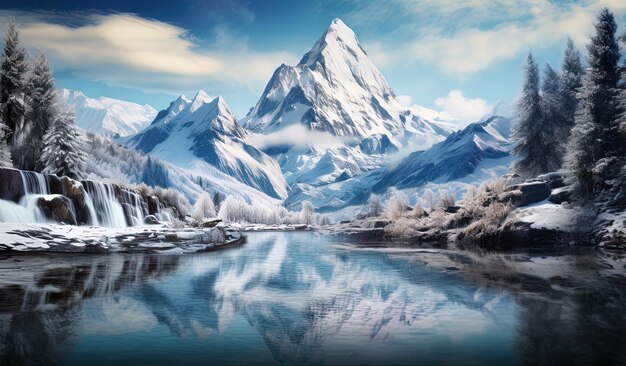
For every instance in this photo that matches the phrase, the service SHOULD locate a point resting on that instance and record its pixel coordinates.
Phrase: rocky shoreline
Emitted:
(161, 239)
(528, 214)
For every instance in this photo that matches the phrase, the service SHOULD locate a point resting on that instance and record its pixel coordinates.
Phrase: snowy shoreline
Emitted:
(25, 238)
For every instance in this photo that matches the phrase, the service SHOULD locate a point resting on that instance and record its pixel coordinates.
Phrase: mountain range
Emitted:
(329, 130)
(107, 116)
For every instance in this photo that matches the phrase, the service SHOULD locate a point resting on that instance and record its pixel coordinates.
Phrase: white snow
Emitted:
(107, 116)
(546, 215)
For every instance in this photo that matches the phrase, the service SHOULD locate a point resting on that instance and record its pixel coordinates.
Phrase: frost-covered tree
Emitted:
(375, 206)
(6, 160)
(64, 151)
(595, 134)
(307, 213)
(529, 132)
(41, 110)
(428, 199)
(13, 69)
(554, 126)
(397, 205)
(571, 81)
(155, 174)
(446, 199)
(204, 207)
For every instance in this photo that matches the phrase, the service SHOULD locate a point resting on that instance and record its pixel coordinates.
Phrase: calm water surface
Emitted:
(301, 298)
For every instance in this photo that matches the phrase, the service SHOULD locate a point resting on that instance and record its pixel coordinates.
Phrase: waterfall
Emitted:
(35, 183)
(12, 212)
(35, 186)
(91, 202)
(109, 212)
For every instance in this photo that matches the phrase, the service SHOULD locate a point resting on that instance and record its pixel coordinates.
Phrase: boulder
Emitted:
(512, 179)
(151, 220)
(76, 193)
(529, 192)
(452, 209)
(554, 179)
(153, 204)
(58, 208)
(11, 184)
(210, 222)
(518, 234)
(560, 195)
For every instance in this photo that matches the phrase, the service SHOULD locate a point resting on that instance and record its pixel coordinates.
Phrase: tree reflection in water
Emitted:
(311, 301)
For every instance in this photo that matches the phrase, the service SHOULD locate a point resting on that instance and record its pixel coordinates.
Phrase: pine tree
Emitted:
(554, 125)
(528, 133)
(595, 134)
(571, 81)
(12, 83)
(63, 152)
(40, 112)
(6, 160)
(155, 174)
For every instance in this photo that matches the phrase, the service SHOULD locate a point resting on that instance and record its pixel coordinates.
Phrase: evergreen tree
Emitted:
(553, 121)
(218, 198)
(63, 152)
(529, 133)
(40, 112)
(6, 160)
(571, 81)
(595, 134)
(155, 174)
(12, 83)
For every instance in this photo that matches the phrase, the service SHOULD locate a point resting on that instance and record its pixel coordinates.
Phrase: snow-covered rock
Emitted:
(203, 130)
(107, 116)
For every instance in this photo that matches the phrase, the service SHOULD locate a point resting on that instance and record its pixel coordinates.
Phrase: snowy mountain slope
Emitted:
(453, 158)
(110, 161)
(204, 129)
(106, 116)
(337, 94)
(337, 89)
(478, 152)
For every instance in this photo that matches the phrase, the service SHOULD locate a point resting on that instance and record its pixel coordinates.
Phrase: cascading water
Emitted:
(94, 203)
(35, 186)
(35, 183)
(109, 212)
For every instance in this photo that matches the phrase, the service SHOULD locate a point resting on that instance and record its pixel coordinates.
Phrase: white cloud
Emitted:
(462, 38)
(466, 110)
(128, 50)
(405, 100)
(296, 135)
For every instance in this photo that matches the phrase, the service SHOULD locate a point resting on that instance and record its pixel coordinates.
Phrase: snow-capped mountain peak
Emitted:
(340, 55)
(337, 89)
(192, 133)
(200, 99)
(107, 116)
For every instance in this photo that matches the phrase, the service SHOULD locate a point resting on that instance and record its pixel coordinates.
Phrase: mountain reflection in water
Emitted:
(293, 298)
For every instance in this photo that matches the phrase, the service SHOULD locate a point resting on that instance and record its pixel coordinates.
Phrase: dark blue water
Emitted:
(301, 298)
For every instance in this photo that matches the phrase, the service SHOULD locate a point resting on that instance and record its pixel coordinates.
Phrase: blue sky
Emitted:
(460, 57)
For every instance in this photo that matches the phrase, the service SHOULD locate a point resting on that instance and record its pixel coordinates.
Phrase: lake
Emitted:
(304, 298)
